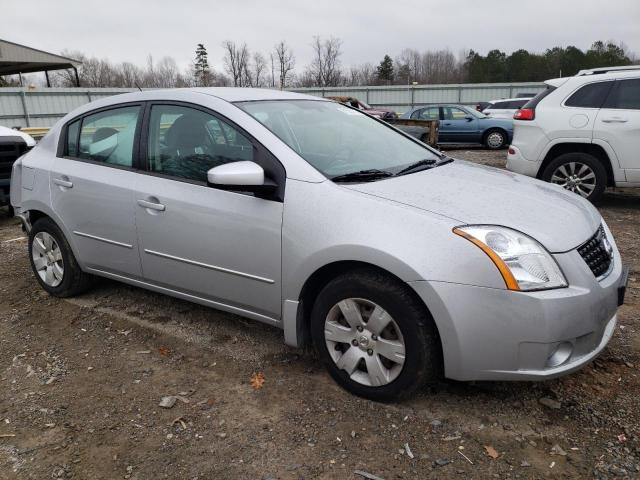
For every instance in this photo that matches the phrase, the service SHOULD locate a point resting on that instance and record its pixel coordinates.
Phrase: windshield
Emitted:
(335, 139)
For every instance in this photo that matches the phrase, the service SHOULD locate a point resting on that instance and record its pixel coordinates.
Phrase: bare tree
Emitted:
(325, 67)
(236, 59)
(286, 61)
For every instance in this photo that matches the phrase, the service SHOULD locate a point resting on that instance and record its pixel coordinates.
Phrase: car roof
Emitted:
(228, 94)
(596, 75)
(418, 107)
(236, 94)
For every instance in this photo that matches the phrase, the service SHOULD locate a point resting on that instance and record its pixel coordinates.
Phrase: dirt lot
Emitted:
(81, 381)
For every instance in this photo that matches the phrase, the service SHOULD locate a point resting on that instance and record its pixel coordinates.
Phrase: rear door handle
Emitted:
(615, 120)
(159, 207)
(63, 183)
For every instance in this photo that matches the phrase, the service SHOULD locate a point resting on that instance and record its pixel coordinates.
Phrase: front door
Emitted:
(458, 126)
(92, 188)
(618, 123)
(218, 245)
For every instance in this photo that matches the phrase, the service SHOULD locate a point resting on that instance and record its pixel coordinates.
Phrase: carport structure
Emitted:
(17, 59)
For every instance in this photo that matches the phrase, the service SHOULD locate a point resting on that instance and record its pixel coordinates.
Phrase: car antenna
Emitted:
(136, 84)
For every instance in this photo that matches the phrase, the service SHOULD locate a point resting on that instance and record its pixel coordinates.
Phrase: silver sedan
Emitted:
(398, 263)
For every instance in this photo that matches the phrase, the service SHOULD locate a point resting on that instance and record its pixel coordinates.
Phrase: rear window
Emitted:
(533, 103)
(592, 95)
(625, 95)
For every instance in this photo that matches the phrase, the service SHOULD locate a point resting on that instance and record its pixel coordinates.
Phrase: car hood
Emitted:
(476, 194)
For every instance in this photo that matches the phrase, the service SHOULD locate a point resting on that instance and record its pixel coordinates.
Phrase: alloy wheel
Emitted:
(575, 177)
(47, 259)
(364, 341)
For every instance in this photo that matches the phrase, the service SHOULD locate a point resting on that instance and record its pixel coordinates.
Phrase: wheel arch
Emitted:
(37, 211)
(314, 284)
(590, 148)
(502, 130)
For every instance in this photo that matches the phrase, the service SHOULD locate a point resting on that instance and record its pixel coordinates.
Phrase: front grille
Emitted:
(597, 252)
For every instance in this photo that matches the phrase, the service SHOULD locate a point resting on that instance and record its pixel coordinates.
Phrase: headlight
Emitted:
(523, 263)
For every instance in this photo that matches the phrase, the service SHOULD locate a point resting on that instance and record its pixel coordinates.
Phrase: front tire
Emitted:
(495, 139)
(53, 262)
(579, 173)
(375, 337)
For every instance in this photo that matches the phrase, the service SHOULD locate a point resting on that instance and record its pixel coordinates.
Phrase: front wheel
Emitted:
(579, 173)
(374, 336)
(495, 139)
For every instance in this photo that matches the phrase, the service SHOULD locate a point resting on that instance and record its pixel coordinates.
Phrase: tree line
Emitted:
(276, 68)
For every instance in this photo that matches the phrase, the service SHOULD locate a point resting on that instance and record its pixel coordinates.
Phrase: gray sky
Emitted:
(131, 30)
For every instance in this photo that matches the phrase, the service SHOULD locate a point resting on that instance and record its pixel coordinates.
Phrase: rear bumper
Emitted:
(516, 162)
(494, 334)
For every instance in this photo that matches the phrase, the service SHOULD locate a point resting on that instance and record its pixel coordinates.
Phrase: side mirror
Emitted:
(242, 176)
(468, 118)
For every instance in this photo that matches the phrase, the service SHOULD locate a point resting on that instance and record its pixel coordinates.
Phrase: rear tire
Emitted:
(52, 261)
(578, 172)
(495, 139)
(394, 350)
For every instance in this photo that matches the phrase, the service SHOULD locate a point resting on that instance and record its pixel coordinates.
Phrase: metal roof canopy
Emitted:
(16, 59)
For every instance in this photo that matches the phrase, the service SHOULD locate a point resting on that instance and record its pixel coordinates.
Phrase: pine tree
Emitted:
(201, 66)
(385, 70)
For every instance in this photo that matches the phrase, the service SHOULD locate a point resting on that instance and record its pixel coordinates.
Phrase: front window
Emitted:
(187, 143)
(335, 139)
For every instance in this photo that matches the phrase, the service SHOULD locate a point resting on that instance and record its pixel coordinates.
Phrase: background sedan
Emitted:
(460, 124)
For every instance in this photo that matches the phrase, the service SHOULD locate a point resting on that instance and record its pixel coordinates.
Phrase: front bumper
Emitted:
(494, 334)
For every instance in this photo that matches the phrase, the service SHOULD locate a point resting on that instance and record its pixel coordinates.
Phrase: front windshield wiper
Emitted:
(362, 176)
(427, 162)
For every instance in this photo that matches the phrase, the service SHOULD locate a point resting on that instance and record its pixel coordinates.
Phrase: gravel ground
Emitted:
(81, 381)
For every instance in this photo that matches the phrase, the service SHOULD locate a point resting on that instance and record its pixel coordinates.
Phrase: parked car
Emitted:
(377, 112)
(13, 143)
(397, 262)
(582, 132)
(460, 124)
(504, 108)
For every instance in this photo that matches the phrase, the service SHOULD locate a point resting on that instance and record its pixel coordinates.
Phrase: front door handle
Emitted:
(615, 120)
(63, 183)
(159, 207)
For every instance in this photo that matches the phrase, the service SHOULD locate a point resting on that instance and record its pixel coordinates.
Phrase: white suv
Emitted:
(582, 132)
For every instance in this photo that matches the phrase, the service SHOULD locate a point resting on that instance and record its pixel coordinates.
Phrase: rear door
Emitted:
(92, 185)
(618, 123)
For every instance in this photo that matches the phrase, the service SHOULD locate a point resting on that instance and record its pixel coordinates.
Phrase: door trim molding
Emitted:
(102, 239)
(210, 267)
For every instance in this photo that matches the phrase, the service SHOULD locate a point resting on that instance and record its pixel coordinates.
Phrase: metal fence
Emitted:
(42, 107)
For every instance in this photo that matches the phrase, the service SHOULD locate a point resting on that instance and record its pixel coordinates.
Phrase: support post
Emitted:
(46, 74)
(24, 108)
(75, 70)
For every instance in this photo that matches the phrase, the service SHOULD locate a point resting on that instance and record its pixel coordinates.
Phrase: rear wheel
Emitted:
(495, 139)
(374, 336)
(53, 262)
(578, 172)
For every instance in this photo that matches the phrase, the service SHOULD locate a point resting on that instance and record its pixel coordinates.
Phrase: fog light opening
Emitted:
(561, 354)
